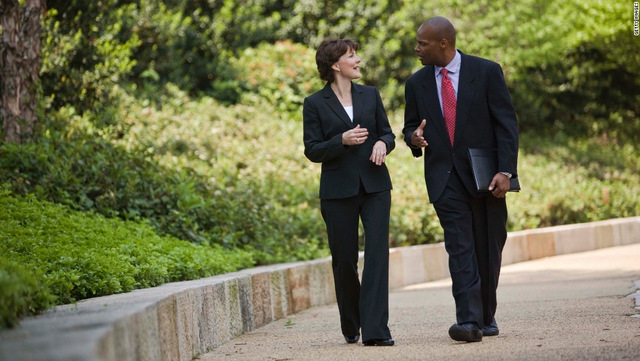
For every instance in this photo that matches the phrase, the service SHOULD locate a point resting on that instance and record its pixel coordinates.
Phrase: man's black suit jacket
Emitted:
(485, 118)
(345, 168)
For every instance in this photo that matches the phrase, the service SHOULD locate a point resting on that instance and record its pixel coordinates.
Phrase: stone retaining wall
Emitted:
(180, 321)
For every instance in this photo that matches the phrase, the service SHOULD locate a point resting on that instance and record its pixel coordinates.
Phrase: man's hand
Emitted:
(417, 138)
(499, 185)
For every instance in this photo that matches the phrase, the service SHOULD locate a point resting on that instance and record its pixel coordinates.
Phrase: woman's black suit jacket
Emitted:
(346, 167)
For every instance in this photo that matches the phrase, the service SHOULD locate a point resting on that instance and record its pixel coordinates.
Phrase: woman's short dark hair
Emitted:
(329, 52)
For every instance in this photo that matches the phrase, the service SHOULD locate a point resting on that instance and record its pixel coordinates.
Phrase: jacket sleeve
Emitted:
(385, 133)
(411, 117)
(505, 122)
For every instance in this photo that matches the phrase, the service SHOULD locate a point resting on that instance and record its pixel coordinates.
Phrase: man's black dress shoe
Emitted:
(379, 342)
(468, 332)
(489, 330)
(352, 339)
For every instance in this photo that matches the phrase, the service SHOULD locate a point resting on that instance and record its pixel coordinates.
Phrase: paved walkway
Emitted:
(570, 307)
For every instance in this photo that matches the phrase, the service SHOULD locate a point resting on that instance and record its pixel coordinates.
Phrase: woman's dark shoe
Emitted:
(379, 342)
(468, 332)
(352, 339)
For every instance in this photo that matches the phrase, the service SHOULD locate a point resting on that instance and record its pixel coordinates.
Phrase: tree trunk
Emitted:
(20, 64)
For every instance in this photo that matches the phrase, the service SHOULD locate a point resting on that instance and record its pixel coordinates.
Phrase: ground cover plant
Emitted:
(50, 254)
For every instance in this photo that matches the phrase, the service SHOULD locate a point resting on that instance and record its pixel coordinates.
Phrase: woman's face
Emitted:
(348, 65)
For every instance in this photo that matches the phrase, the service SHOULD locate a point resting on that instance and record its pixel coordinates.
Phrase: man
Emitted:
(455, 102)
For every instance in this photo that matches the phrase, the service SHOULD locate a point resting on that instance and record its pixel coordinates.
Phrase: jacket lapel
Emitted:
(466, 91)
(432, 103)
(358, 102)
(335, 106)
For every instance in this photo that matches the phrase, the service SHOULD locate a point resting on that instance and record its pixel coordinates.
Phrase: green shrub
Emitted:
(264, 193)
(173, 169)
(568, 180)
(54, 255)
(572, 66)
(20, 292)
(87, 49)
(283, 74)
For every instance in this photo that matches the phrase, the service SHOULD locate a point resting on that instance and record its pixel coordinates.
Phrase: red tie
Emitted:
(448, 104)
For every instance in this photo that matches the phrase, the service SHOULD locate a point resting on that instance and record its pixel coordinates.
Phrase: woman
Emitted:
(347, 130)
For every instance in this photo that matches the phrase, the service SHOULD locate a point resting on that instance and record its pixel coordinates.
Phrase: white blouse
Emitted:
(349, 112)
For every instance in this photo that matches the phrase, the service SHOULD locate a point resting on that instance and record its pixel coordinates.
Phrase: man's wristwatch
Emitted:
(509, 175)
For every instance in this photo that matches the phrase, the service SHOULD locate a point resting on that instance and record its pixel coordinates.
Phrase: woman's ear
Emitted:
(335, 67)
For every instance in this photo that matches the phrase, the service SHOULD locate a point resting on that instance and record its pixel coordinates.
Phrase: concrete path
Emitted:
(571, 307)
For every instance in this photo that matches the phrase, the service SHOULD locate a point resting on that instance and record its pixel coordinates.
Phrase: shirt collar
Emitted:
(453, 66)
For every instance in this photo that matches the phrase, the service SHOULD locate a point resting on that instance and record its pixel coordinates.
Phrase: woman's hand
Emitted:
(355, 136)
(379, 152)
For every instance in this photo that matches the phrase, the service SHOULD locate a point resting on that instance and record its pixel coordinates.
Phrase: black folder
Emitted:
(484, 164)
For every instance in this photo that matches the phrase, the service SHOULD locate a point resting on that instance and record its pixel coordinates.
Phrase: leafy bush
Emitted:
(264, 194)
(571, 65)
(87, 49)
(283, 74)
(53, 255)
(572, 181)
(20, 292)
(178, 174)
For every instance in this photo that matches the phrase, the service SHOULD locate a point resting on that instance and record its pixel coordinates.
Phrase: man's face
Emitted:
(428, 47)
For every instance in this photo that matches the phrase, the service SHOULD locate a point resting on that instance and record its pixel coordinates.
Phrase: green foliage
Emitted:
(173, 169)
(248, 153)
(87, 48)
(583, 180)
(384, 29)
(89, 173)
(20, 292)
(51, 254)
(171, 47)
(189, 43)
(183, 118)
(572, 66)
(282, 74)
